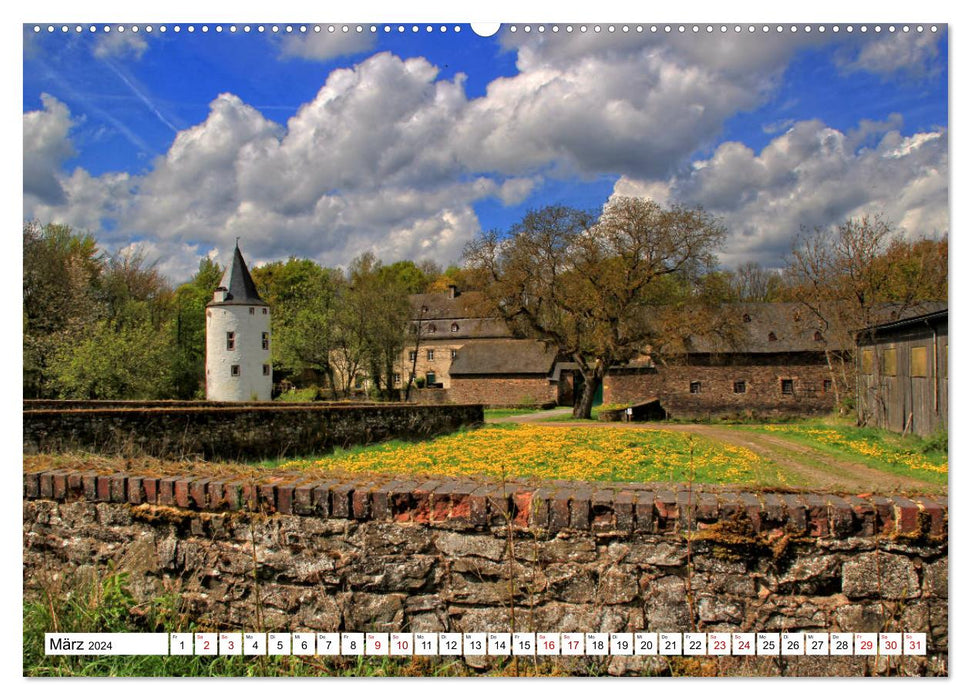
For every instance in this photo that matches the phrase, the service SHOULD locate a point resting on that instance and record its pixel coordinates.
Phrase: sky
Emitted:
(410, 143)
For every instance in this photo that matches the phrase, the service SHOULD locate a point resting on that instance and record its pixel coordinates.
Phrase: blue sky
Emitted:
(407, 144)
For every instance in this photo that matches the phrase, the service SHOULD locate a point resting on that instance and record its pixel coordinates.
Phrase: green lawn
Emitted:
(494, 413)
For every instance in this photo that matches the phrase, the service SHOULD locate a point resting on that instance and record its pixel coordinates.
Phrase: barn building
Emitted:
(773, 363)
(508, 372)
(902, 374)
(238, 339)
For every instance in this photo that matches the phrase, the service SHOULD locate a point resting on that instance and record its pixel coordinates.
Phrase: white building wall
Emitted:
(251, 384)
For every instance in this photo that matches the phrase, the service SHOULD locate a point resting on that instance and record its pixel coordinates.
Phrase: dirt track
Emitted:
(809, 466)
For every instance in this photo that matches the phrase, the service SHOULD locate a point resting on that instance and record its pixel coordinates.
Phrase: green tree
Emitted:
(61, 276)
(303, 297)
(189, 328)
(125, 349)
(585, 285)
(376, 315)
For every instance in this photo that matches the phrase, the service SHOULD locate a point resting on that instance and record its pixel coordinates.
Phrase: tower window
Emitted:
(740, 386)
(817, 336)
(787, 387)
(772, 337)
(230, 340)
(432, 328)
(234, 370)
(455, 328)
(695, 387)
(266, 370)
(266, 341)
(455, 353)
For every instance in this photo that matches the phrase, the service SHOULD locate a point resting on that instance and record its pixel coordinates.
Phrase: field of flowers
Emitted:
(884, 450)
(506, 451)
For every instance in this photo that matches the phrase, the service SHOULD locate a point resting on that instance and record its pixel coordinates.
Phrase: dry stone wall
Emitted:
(455, 555)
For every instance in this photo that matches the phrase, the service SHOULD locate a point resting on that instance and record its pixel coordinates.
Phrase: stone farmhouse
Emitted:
(775, 365)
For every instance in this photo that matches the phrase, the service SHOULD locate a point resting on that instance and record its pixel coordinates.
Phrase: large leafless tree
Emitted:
(860, 273)
(584, 284)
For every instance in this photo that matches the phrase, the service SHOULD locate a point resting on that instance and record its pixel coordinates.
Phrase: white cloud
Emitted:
(115, 43)
(390, 158)
(812, 176)
(90, 202)
(909, 145)
(46, 147)
(324, 45)
(912, 53)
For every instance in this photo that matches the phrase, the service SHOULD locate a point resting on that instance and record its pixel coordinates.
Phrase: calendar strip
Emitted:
(491, 644)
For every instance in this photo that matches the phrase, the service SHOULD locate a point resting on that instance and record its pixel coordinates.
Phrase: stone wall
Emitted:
(238, 431)
(428, 396)
(75, 404)
(522, 390)
(461, 556)
(763, 394)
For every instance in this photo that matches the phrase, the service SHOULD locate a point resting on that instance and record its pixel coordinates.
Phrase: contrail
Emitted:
(141, 96)
(90, 106)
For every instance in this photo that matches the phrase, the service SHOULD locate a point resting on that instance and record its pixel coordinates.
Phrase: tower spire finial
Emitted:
(237, 241)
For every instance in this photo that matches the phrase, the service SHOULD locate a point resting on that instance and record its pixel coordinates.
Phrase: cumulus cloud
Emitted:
(812, 175)
(46, 147)
(633, 103)
(120, 44)
(391, 158)
(324, 45)
(91, 202)
(912, 53)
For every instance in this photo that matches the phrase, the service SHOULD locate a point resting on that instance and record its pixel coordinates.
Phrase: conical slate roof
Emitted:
(239, 283)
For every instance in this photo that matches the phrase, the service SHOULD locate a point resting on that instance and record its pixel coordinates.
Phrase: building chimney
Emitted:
(453, 291)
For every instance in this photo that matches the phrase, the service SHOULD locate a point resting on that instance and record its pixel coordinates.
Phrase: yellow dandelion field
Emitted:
(551, 452)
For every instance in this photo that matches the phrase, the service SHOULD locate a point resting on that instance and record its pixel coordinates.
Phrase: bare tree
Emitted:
(849, 275)
(750, 282)
(585, 285)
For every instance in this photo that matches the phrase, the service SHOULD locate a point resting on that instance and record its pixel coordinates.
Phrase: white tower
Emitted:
(238, 339)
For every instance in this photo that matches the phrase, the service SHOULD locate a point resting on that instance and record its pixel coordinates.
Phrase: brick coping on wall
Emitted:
(462, 504)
